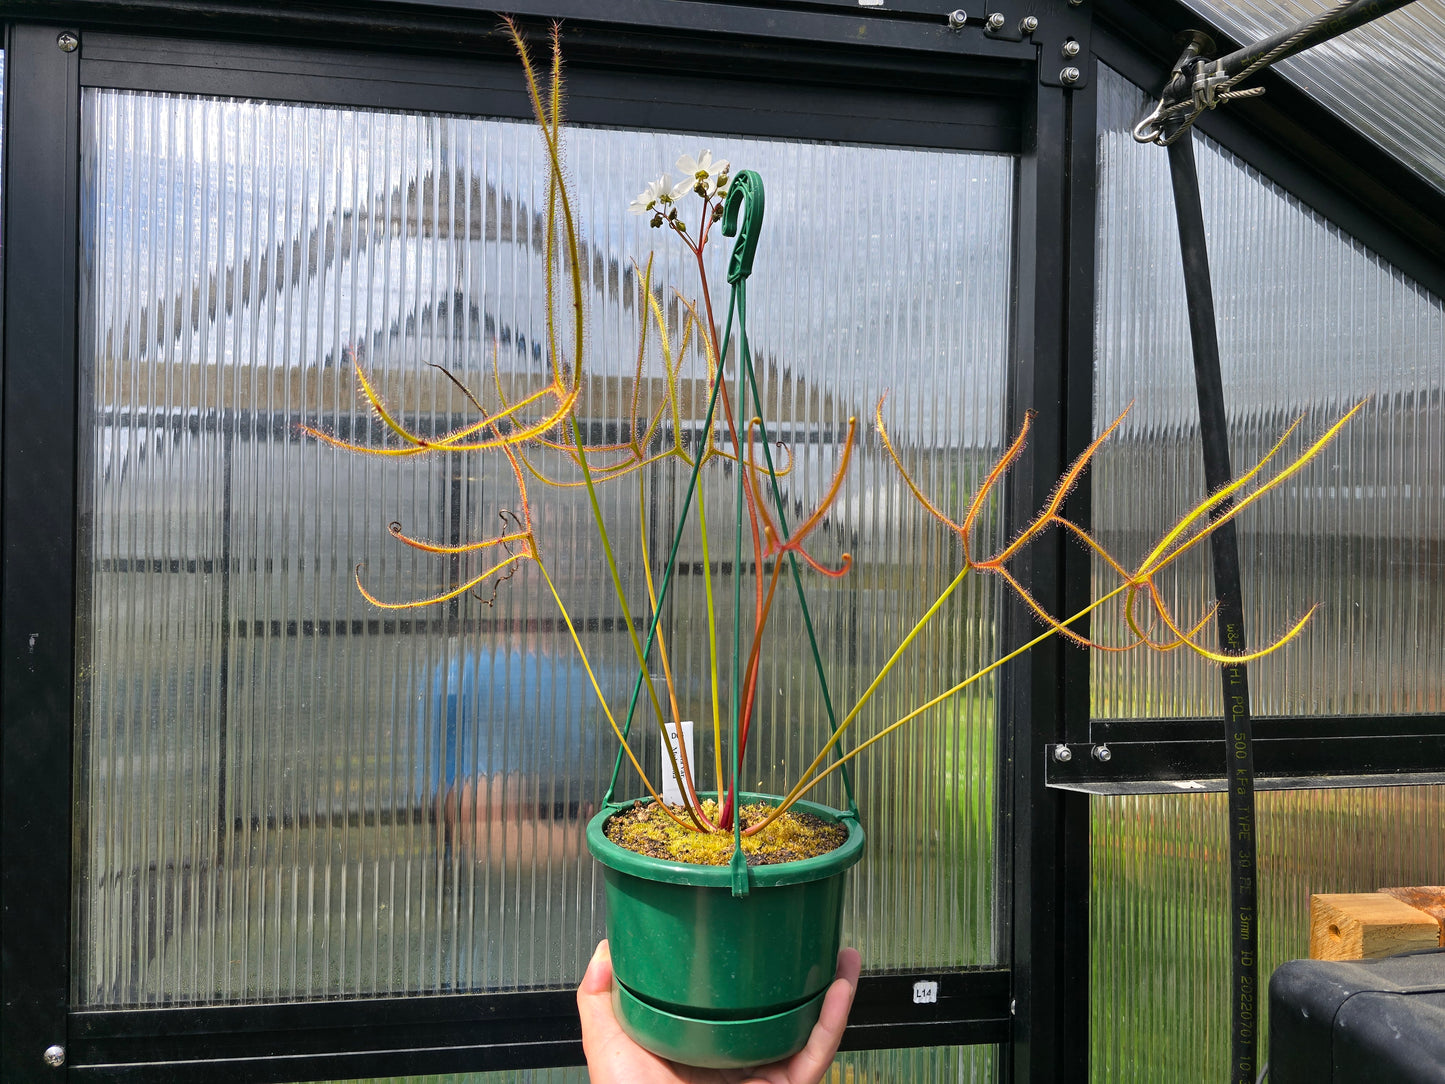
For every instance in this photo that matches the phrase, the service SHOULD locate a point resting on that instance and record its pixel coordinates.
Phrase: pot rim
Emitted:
(817, 868)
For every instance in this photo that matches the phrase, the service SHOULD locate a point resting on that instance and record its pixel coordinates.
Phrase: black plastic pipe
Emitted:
(1224, 548)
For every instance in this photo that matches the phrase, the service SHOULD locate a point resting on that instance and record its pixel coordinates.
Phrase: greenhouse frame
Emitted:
(231, 839)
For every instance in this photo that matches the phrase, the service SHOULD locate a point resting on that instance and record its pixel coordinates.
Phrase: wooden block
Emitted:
(1427, 898)
(1367, 925)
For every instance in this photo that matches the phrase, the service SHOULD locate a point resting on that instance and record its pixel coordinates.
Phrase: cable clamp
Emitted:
(1208, 80)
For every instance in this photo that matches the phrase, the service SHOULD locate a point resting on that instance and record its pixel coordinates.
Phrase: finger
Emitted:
(808, 1065)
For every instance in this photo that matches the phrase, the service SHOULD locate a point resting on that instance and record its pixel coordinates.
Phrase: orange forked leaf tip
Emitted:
(464, 547)
(362, 449)
(845, 562)
(918, 494)
(980, 496)
(445, 596)
(1062, 488)
(834, 487)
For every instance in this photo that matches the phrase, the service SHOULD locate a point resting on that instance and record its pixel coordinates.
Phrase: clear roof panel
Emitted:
(1386, 78)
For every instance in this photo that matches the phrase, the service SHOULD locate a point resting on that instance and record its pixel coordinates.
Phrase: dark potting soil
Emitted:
(793, 836)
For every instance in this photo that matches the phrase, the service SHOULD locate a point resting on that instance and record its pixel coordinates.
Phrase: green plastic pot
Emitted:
(707, 978)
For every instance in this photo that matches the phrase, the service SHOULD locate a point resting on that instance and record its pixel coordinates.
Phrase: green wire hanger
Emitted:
(745, 195)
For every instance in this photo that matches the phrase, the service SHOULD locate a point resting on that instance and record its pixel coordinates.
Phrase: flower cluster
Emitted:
(701, 175)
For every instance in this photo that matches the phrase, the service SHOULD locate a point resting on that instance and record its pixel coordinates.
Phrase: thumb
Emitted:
(600, 1030)
(597, 982)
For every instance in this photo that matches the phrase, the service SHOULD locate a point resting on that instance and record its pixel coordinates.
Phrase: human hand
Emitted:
(613, 1058)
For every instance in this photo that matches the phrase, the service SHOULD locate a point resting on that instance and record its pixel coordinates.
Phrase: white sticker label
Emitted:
(670, 792)
(925, 993)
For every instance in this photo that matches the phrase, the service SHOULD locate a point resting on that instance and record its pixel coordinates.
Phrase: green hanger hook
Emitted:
(746, 188)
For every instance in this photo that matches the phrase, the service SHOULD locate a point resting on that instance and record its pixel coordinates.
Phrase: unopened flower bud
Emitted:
(717, 212)
(656, 220)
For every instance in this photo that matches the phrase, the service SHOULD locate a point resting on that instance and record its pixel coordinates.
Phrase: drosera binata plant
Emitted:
(709, 195)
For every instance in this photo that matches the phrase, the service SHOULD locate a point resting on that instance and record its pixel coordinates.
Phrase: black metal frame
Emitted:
(381, 1037)
(914, 96)
(38, 506)
(1044, 833)
(816, 68)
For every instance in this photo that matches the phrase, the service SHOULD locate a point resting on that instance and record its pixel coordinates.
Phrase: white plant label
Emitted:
(925, 993)
(670, 792)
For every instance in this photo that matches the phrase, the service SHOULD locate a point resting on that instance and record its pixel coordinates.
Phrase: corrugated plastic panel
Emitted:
(1386, 78)
(1159, 908)
(269, 766)
(1310, 322)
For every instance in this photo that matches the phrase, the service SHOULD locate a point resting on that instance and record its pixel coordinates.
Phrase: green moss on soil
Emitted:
(793, 836)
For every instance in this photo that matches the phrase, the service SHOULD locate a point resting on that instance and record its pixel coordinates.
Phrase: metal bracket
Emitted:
(1061, 29)
(1282, 763)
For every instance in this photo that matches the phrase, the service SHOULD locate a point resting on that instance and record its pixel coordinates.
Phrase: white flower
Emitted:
(699, 171)
(700, 168)
(656, 193)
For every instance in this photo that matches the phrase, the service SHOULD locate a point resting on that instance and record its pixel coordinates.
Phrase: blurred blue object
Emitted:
(490, 711)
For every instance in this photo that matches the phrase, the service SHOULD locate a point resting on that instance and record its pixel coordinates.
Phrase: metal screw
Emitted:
(1071, 48)
(1028, 24)
(68, 43)
(1062, 754)
(956, 18)
(996, 21)
(55, 1055)
(1069, 76)
(1076, 3)
(1102, 754)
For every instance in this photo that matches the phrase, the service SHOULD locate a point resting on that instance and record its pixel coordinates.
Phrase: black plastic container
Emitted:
(1336, 1022)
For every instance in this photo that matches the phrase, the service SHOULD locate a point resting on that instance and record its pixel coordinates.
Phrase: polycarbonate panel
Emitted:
(269, 767)
(926, 1065)
(1160, 949)
(1386, 78)
(1310, 322)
